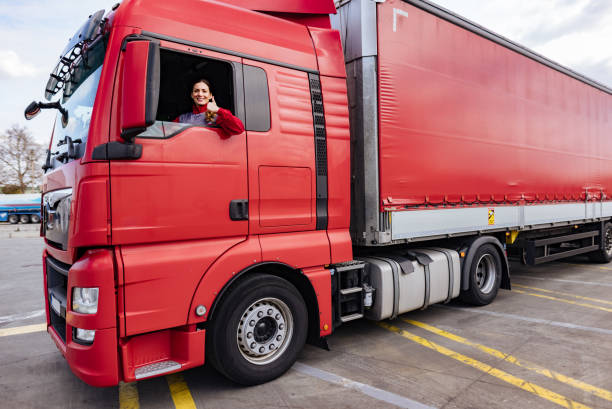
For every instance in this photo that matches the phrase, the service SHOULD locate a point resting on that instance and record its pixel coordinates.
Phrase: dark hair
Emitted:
(205, 81)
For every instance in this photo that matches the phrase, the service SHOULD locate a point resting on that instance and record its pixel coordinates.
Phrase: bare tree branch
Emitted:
(20, 158)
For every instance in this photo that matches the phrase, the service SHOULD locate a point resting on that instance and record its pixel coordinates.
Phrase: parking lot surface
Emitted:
(546, 344)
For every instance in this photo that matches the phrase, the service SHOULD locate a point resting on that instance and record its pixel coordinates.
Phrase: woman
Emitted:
(205, 111)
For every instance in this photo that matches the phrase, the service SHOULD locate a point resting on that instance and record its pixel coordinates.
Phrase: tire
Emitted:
(485, 276)
(24, 219)
(604, 255)
(277, 313)
(34, 218)
(13, 219)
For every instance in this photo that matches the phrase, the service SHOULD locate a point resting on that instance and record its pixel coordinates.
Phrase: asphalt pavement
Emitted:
(546, 344)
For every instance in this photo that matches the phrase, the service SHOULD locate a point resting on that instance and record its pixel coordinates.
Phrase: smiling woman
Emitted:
(206, 112)
(196, 91)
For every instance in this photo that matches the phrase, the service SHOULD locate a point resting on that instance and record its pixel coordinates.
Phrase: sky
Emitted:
(574, 33)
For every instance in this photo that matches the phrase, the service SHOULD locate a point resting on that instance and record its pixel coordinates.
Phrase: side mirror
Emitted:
(32, 110)
(140, 87)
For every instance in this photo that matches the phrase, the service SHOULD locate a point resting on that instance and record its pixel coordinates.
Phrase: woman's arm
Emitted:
(229, 123)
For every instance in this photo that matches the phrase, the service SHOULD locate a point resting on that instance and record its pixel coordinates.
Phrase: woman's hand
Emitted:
(212, 106)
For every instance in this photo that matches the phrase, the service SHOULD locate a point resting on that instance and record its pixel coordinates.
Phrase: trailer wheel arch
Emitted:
(472, 246)
(293, 276)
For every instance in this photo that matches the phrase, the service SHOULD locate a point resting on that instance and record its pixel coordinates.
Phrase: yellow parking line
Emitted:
(589, 265)
(26, 329)
(599, 392)
(548, 297)
(481, 366)
(180, 392)
(128, 395)
(562, 293)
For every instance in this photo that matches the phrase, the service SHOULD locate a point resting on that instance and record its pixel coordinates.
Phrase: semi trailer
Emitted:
(20, 208)
(394, 156)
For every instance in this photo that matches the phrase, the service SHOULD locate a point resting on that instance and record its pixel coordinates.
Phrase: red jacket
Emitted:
(229, 124)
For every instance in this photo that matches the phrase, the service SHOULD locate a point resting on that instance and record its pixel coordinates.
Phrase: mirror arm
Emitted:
(35, 107)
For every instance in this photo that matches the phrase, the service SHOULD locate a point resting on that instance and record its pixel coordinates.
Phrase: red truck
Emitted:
(395, 155)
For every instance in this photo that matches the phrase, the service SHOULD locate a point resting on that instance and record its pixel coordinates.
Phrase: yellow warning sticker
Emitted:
(491, 216)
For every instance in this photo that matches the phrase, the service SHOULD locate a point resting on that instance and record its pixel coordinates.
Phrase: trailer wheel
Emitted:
(258, 330)
(24, 219)
(604, 255)
(485, 276)
(34, 218)
(13, 219)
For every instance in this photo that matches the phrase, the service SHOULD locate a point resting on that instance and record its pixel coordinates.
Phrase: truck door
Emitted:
(188, 176)
(282, 174)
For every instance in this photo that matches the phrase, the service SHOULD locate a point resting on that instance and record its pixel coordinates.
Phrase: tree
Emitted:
(20, 159)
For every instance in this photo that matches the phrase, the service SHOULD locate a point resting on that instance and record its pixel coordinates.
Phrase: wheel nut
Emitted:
(277, 317)
(281, 326)
(272, 347)
(252, 323)
(260, 314)
(270, 312)
(278, 338)
(262, 349)
(253, 345)
(250, 335)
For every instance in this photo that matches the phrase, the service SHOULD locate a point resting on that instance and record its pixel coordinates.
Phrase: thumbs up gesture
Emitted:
(212, 106)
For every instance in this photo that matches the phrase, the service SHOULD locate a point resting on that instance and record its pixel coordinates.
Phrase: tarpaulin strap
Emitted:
(405, 264)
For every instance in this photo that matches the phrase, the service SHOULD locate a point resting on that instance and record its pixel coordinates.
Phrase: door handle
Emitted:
(239, 209)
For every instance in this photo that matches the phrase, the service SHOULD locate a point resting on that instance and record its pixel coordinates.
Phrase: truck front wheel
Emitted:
(485, 276)
(258, 330)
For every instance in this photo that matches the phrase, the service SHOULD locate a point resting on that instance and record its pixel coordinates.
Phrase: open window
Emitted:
(178, 72)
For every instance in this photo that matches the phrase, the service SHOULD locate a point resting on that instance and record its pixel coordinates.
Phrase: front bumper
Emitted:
(96, 363)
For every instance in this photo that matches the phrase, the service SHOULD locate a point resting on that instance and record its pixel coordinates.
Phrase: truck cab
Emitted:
(150, 224)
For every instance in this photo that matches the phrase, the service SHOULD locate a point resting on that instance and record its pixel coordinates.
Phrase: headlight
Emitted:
(85, 300)
(85, 335)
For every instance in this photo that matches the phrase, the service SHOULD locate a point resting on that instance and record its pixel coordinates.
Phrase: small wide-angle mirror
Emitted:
(34, 108)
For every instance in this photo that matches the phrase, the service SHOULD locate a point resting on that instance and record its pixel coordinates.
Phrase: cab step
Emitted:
(157, 368)
(348, 291)
(351, 317)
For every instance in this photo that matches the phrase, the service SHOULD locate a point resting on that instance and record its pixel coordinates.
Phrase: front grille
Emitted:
(57, 291)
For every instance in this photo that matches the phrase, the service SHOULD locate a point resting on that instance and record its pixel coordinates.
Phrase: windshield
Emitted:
(79, 93)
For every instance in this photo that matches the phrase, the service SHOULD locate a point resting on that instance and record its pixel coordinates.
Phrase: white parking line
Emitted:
(598, 284)
(529, 319)
(379, 394)
(21, 317)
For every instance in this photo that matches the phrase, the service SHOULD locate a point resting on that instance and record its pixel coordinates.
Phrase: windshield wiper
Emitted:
(34, 109)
